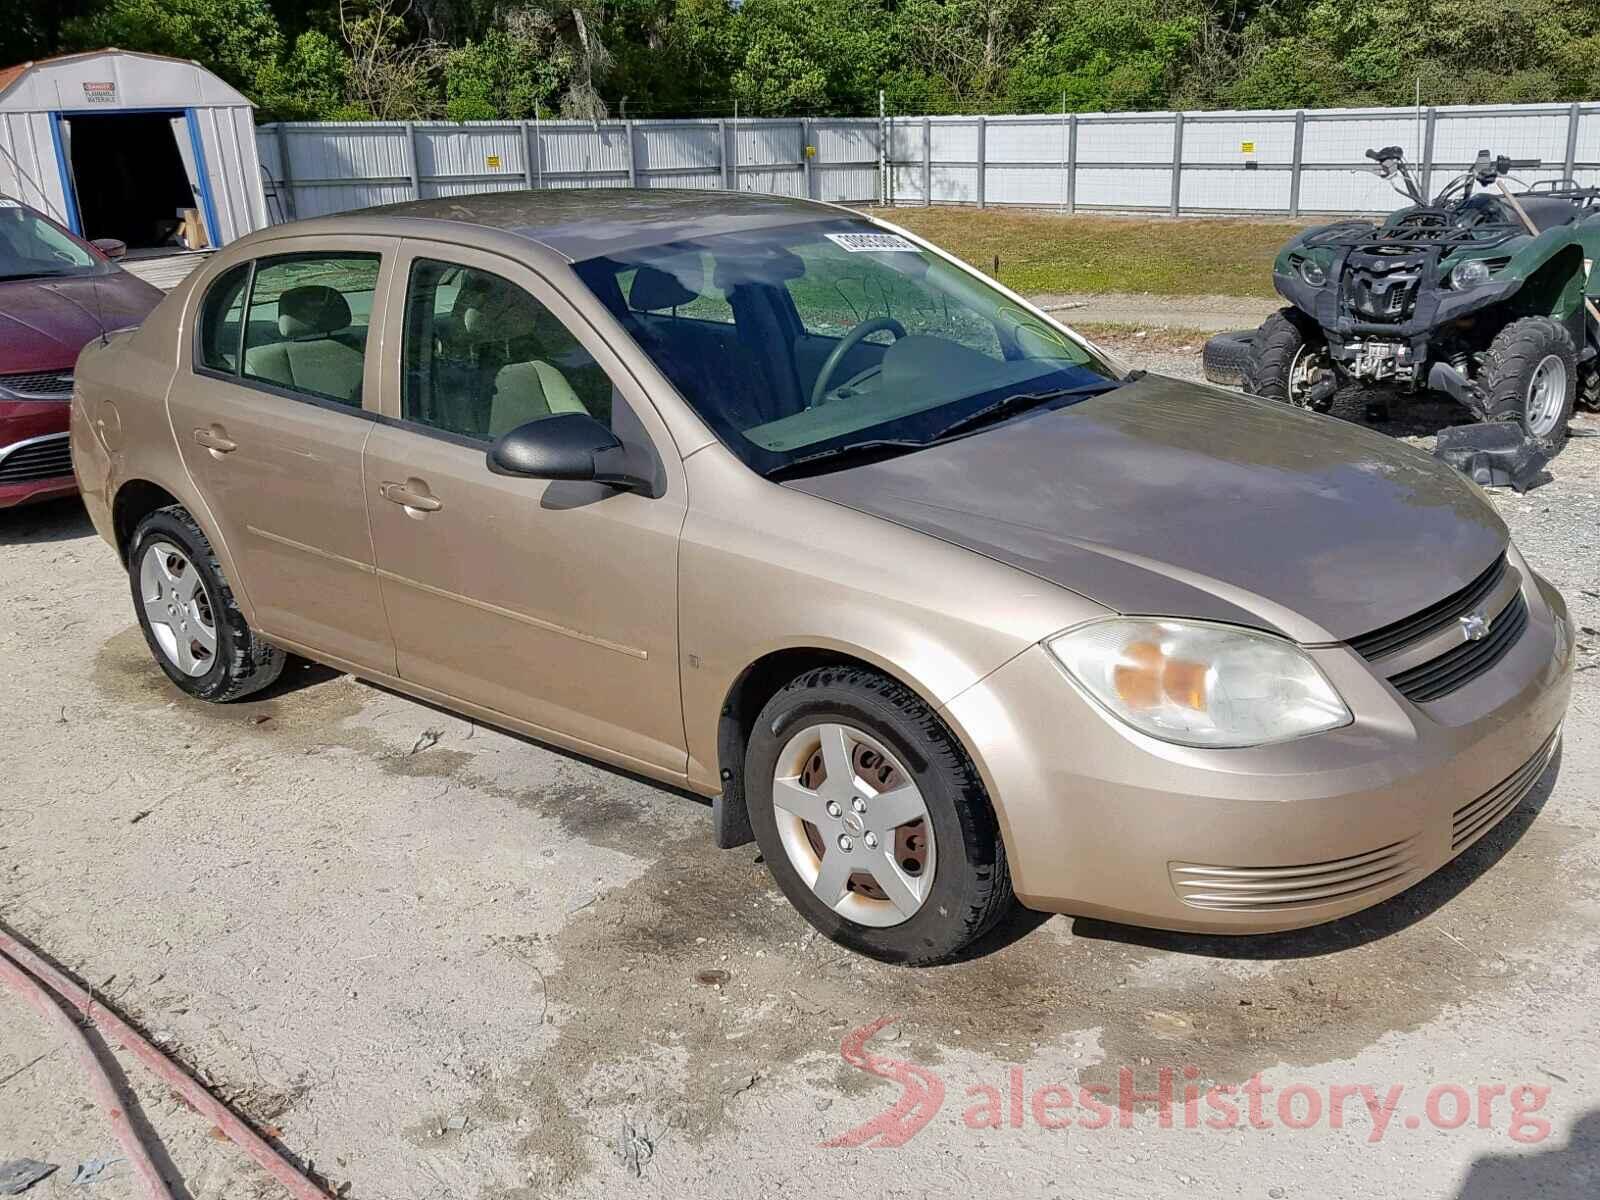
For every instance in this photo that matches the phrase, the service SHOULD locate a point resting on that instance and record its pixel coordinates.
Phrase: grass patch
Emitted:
(1043, 252)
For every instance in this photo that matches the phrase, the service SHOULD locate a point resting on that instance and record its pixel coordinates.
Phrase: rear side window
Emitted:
(307, 322)
(221, 321)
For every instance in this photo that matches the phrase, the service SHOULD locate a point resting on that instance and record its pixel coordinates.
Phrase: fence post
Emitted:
(722, 152)
(805, 156)
(927, 161)
(983, 157)
(885, 186)
(1427, 150)
(527, 156)
(286, 178)
(633, 156)
(411, 160)
(1072, 162)
(1177, 163)
(1299, 160)
(1574, 116)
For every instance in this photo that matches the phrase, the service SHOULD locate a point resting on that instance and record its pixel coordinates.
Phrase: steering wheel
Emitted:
(848, 343)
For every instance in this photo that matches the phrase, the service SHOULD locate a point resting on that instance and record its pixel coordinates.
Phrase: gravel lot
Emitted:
(479, 968)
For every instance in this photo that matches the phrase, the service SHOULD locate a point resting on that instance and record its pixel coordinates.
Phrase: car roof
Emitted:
(582, 223)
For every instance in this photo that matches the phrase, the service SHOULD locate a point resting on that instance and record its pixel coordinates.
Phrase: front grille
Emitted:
(1265, 889)
(1420, 625)
(1382, 297)
(40, 385)
(1472, 821)
(45, 458)
(1461, 664)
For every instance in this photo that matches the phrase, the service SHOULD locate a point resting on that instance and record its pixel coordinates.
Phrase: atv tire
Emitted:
(1530, 377)
(1589, 387)
(1278, 355)
(1227, 357)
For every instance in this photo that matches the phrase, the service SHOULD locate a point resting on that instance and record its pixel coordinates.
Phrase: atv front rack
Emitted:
(1420, 228)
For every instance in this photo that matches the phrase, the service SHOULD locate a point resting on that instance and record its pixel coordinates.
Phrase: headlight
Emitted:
(1469, 273)
(1200, 685)
(1312, 272)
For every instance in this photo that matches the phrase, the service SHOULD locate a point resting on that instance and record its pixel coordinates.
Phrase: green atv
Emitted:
(1479, 295)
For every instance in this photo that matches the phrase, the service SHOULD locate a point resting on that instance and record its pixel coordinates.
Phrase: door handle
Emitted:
(413, 494)
(214, 440)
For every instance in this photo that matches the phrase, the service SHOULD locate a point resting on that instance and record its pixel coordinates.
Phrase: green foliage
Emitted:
(483, 59)
(504, 77)
(235, 38)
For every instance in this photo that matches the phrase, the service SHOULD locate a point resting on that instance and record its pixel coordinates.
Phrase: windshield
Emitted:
(806, 345)
(31, 247)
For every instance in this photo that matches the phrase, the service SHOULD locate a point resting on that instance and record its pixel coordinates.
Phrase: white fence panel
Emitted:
(1266, 162)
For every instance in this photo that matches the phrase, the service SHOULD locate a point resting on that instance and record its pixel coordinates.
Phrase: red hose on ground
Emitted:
(42, 1002)
(131, 1040)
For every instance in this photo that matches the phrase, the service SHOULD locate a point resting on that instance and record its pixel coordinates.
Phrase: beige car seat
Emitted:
(495, 313)
(310, 359)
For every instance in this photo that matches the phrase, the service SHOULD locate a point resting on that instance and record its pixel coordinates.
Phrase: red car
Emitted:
(57, 292)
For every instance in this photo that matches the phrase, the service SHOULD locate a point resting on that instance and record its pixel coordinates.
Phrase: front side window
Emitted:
(33, 248)
(482, 356)
(307, 323)
(839, 337)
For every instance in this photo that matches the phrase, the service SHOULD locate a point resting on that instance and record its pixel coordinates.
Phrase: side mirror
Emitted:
(111, 247)
(565, 446)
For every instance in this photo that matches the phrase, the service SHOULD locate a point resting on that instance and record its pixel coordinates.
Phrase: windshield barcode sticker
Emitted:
(873, 243)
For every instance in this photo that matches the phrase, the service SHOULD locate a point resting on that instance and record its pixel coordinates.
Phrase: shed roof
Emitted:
(77, 82)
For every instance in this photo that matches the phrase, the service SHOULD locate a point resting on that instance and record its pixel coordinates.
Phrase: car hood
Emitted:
(45, 322)
(1176, 499)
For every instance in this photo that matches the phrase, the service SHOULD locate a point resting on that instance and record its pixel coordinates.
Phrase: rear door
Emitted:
(554, 603)
(272, 408)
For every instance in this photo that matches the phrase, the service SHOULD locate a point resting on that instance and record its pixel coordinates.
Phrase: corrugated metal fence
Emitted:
(1282, 162)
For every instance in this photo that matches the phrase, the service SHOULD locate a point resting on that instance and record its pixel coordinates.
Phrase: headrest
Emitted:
(492, 307)
(654, 290)
(312, 309)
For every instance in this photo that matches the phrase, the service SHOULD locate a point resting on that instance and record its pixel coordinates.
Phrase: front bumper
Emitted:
(1102, 821)
(23, 421)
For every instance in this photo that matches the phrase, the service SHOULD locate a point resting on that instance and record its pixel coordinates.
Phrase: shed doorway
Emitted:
(131, 174)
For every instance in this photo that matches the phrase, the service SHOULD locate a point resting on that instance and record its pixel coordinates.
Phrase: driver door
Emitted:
(553, 603)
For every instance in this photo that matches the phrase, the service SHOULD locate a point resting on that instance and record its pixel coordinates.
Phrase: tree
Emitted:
(234, 38)
(389, 77)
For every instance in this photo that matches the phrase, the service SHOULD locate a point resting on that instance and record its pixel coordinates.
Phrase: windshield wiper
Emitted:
(1021, 401)
(870, 451)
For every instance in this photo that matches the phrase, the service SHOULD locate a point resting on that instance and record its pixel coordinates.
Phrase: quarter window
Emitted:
(308, 320)
(482, 356)
(221, 321)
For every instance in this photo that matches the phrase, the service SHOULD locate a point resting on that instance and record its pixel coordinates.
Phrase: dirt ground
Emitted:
(434, 960)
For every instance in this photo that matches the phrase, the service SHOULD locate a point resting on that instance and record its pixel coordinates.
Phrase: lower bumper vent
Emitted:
(1266, 889)
(1472, 821)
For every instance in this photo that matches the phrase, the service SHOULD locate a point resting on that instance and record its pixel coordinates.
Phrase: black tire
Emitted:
(1278, 344)
(971, 889)
(1226, 357)
(1589, 388)
(1509, 368)
(243, 663)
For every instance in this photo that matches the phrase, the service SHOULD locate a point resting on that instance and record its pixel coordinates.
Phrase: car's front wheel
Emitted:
(188, 614)
(872, 818)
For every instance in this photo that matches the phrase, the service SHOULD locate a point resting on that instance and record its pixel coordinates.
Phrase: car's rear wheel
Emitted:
(188, 614)
(1287, 359)
(1530, 376)
(873, 820)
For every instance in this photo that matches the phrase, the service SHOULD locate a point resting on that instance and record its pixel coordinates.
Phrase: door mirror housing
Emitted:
(571, 446)
(112, 248)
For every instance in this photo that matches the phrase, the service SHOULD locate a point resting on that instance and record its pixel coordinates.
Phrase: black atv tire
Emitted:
(1589, 387)
(1226, 357)
(1511, 366)
(242, 662)
(971, 889)
(1279, 343)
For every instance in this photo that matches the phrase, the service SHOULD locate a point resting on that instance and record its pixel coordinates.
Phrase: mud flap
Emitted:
(1497, 454)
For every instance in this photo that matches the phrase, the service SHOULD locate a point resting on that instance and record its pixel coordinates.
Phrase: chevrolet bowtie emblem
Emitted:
(1475, 626)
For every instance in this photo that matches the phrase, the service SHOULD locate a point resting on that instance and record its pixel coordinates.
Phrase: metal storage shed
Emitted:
(113, 144)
